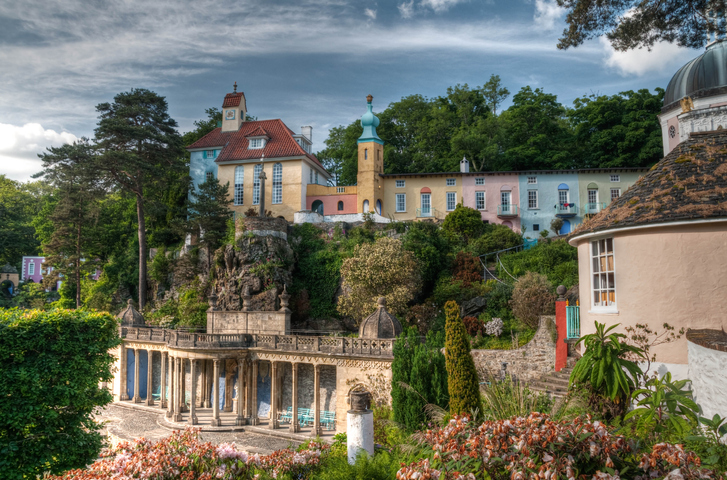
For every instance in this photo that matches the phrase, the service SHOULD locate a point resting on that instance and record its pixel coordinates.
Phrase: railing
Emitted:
(592, 208)
(566, 209)
(426, 212)
(290, 343)
(573, 322)
(507, 210)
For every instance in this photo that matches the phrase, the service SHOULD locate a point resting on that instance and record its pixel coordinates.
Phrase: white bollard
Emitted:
(359, 426)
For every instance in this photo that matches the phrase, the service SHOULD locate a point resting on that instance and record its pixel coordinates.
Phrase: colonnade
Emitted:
(174, 401)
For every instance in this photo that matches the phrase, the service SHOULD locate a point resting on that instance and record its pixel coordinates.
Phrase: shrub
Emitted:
(557, 260)
(422, 316)
(430, 247)
(52, 363)
(473, 325)
(379, 269)
(467, 268)
(496, 237)
(508, 398)
(463, 384)
(556, 225)
(494, 327)
(463, 222)
(531, 298)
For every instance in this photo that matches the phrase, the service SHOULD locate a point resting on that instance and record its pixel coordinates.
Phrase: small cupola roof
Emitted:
(380, 324)
(703, 76)
(129, 316)
(369, 122)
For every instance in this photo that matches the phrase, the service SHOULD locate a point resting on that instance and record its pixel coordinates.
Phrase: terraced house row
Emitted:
(266, 162)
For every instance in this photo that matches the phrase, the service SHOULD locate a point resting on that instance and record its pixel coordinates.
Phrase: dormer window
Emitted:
(256, 143)
(209, 154)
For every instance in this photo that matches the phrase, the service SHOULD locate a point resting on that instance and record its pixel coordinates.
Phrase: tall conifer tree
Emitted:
(209, 212)
(464, 388)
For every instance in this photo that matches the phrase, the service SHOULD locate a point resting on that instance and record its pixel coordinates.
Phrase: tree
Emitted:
(632, 24)
(19, 203)
(138, 143)
(464, 222)
(532, 297)
(418, 378)
(71, 246)
(494, 93)
(52, 366)
(378, 269)
(431, 249)
(340, 157)
(463, 384)
(209, 212)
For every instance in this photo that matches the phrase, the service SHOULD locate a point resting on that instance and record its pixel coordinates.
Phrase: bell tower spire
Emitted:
(370, 186)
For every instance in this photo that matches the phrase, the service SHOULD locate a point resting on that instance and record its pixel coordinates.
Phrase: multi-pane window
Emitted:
(310, 176)
(256, 184)
(615, 193)
(400, 183)
(31, 268)
(340, 206)
(480, 181)
(563, 197)
(256, 143)
(536, 227)
(451, 200)
(209, 154)
(401, 202)
(532, 199)
(592, 195)
(239, 181)
(603, 273)
(316, 182)
(208, 176)
(480, 200)
(426, 204)
(278, 183)
(615, 178)
(451, 182)
(532, 180)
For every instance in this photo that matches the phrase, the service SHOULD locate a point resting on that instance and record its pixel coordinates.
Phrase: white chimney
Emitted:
(307, 132)
(464, 165)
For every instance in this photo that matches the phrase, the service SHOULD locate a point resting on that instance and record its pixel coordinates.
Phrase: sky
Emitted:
(305, 62)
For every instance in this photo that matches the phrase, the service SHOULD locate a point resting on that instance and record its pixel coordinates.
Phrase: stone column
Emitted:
(359, 426)
(163, 381)
(216, 395)
(294, 427)
(149, 374)
(273, 395)
(262, 178)
(316, 431)
(254, 418)
(193, 395)
(248, 390)
(137, 398)
(178, 393)
(205, 385)
(170, 400)
(123, 375)
(240, 392)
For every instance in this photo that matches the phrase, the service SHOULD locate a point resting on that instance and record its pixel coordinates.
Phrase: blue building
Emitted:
(546, 195)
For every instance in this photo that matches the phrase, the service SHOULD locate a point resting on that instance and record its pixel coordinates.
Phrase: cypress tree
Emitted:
(464, 389)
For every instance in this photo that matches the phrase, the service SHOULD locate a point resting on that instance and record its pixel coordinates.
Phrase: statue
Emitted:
(262, 178)
(687, 104)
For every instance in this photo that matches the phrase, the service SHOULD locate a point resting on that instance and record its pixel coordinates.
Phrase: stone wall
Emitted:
(707, 350)
(237, 322)
(262, 226)
(527, 363)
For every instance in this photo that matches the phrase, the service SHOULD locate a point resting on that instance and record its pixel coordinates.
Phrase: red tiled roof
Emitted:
(232, 99)
(258, 132)
(234, 144)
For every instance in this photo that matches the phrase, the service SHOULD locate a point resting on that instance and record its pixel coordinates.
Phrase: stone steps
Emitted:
(554, 384)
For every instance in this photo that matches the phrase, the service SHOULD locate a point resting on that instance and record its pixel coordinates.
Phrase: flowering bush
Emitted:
(494, 327)
(535, 447)
(473, 326)
(183, 456)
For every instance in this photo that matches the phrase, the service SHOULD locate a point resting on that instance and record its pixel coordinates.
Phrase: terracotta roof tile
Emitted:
(234, 144)
(689, 183)
(258, 132)
(232, 99)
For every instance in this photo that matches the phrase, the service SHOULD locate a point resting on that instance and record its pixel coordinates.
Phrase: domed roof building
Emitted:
(380, 324)
(696, 97)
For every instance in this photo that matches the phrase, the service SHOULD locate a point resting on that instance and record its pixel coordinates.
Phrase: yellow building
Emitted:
(239, 150)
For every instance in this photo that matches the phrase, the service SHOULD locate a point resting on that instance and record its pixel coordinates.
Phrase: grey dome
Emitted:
(8, 269)
(129, 316)
(380, 324)
(704, 76)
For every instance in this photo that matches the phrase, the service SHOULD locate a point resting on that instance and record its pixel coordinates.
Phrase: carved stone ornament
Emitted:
(360, 400)
(687, 104)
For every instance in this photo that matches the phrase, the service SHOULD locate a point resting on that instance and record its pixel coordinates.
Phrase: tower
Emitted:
(234, 109)
(370, 189)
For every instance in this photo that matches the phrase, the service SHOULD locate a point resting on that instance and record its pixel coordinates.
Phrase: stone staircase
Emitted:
(554, 384)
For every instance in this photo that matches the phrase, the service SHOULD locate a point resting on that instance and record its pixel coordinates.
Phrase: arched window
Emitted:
(317, 207)
(366, 153)
(278, 183)
(239, 181)
(378, 207)
(256, 184)
(340, 206)
(365, 206)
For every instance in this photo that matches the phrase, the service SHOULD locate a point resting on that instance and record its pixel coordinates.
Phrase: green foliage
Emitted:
(665, 410)
(160, 267)
(426, 241)
(708, 442)
(448, 289)
(382, 466)
(209, 214)
(193, 306)
(495, 238)
(504, 399)
(532, 297)
(557, 260)
(418, 378)
(602, 368)
(52, 363)
(19, 203)
(463, 384)
(463, 222)
(31, 295)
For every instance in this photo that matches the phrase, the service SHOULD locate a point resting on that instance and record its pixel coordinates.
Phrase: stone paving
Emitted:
(126, 423)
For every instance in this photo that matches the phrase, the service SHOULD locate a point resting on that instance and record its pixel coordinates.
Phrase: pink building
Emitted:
(32, 269)
(495, 195)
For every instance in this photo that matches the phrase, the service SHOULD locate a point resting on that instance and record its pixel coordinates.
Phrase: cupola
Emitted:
(130, 317)
(369, 122)
(380, 324)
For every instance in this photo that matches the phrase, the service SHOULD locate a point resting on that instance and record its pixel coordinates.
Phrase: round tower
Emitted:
(370, 189)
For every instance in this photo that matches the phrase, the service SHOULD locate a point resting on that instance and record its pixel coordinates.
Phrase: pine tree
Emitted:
(464, 389)
(209, 212)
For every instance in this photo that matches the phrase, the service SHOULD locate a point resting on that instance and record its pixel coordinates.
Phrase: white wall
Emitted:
(708, 373)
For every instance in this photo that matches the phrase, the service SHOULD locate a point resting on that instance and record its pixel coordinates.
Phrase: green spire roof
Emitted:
(369, 122)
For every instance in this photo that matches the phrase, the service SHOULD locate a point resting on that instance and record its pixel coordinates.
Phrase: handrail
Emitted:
(426, 212)
(508, 210)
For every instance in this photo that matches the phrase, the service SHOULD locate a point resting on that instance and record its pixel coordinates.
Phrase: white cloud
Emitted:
(547, 13)
(371, 13)
(440, 5)
(663, 58)
(406, 9)
(20, 146)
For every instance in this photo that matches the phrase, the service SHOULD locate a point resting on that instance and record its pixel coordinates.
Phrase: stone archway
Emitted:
(317, 207)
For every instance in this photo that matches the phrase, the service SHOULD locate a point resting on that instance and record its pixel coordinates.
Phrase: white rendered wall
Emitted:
(360, 433)
(708, 373)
